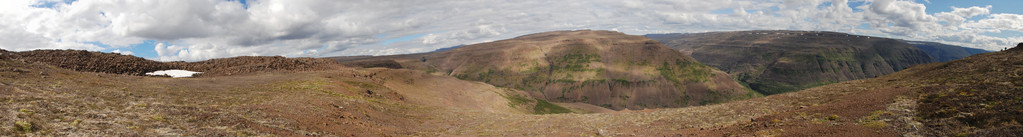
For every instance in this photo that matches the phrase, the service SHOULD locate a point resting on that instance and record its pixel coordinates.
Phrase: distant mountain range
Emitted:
(944, 52)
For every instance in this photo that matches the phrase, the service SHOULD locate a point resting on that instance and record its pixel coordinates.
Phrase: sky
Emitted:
(195, 30)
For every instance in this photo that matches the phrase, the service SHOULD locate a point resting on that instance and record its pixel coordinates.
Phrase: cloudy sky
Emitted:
(192, 30)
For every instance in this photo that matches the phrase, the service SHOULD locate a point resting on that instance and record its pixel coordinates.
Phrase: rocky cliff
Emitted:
(772, 62)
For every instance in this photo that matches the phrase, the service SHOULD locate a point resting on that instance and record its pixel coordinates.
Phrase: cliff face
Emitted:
(774, 62)
(603, 68)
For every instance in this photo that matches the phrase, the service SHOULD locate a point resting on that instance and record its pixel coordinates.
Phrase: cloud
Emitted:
(193, 30)
(123, 52)
(999, 22)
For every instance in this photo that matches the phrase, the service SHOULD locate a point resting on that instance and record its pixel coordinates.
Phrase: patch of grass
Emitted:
(23, 126)
(544, 107)
(157, 118)
(516, 100)
(25, 111)
(874, 120)
(833, 117)
(684, 71)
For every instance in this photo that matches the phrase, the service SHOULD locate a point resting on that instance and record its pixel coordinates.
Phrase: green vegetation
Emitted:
(622, 82)
(684, 71)
(516, 100)
(874, 120)
(157, 118)
(573, 62)
(23, 126)
(833, 117)
(544, 107)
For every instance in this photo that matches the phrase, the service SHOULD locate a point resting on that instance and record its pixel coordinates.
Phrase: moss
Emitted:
(157, 118)
(833, 117)
(25, 111)
(684, 71)
(23, 126)
(516, 100)
(874, 120)
(544, 107)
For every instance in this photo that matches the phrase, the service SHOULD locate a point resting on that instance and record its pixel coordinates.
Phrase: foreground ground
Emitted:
(974, 96)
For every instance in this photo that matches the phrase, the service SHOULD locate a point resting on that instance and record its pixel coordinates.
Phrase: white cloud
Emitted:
(123, 52)
(999, 22)
(201, 29)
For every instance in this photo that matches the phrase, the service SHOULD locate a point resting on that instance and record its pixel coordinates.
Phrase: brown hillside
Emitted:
(80, 60)
(603, 68)
(774, 62)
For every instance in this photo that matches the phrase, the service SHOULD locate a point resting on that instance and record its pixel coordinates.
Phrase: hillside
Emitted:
(80, 60)
(944, 52)
(45, 94)
(604, 68)
(975, 96)
(773, 62)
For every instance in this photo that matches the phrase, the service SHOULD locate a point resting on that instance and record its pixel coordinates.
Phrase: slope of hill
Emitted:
(39, 99)
(774, 62)
(80, 60)
(975, 96)
(944, 52)
(604, 68)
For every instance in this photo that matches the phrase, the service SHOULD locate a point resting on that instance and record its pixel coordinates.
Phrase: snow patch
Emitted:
(174, 73)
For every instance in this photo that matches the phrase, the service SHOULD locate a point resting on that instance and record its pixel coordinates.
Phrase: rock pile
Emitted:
(80, 60)
(249, 64)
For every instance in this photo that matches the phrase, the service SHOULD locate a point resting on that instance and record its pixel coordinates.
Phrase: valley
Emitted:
(544, 84)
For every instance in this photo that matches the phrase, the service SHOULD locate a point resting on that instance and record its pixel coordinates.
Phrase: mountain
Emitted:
(944, 52)
(604, 68)
(773, 62)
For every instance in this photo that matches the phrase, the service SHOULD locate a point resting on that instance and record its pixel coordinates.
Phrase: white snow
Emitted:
(174, 73)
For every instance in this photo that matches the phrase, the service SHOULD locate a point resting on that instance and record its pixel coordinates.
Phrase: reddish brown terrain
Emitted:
(603, 68)
(974, 96)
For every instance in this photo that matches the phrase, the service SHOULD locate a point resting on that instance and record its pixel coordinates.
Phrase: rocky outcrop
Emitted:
(602, 68)
(1018, 47)
(774, 62)
(81, 60)
(251, 64)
